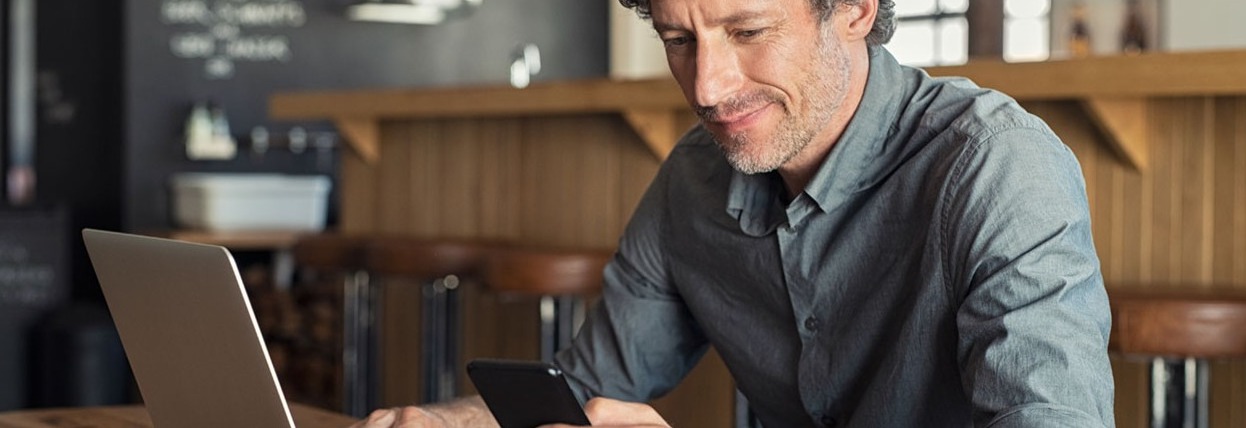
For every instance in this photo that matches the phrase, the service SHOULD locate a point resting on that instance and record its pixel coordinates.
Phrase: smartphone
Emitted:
(525, 394)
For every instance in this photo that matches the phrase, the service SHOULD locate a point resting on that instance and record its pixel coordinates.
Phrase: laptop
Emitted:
(189, 332)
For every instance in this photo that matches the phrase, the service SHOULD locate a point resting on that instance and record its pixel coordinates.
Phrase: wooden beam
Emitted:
(1146, 75)
(656, 128)
(1123, 122)
(363, 134)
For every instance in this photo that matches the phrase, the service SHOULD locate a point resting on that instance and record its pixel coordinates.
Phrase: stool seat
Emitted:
(1179, 329)
(1195, 323)
(329, 251)
(424, 257)
(545, 271)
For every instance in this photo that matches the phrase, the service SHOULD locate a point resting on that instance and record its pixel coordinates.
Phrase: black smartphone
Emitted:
(525, 394)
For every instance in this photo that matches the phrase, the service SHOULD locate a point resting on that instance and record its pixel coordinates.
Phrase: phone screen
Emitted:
(525, 394)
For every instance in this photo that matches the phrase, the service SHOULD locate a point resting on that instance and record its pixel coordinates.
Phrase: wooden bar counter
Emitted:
(1161, 139)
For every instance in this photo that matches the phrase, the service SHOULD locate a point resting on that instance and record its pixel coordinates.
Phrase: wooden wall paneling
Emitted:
(1224, 233)
(421, 184)
(393, 174)
(539, 187)
(1146, 208)
(357, 199)
(1128, 235)
(598, 166)
(1165, 149)
(459, 207)
(1195, 259)
(499, 170)
(1239, 190)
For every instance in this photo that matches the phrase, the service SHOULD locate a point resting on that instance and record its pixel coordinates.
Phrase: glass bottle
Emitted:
(1079, 34)
(1133, 37)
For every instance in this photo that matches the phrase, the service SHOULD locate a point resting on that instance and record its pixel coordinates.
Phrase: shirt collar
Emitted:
(852, 164)
(755, 199)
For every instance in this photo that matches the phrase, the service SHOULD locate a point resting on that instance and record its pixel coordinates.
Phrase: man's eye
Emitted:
(675, 41)
(748, 34)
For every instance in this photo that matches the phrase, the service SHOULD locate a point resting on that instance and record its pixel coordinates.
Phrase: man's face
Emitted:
(764, 76)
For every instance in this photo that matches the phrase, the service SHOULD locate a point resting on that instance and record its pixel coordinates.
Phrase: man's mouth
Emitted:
(740, 119)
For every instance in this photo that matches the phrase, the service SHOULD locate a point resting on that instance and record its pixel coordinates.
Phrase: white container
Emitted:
(237, 202)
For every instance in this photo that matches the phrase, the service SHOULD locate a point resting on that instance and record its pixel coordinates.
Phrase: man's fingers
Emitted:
(380, 418)
(411, 417)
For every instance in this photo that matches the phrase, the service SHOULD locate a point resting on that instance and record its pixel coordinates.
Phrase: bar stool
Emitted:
(1179, 330)
(335, 260)
(439, 265)
(561, 278)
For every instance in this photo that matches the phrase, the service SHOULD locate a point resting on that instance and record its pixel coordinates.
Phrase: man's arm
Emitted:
(463, 412)
(1033, 318)
(640, 339)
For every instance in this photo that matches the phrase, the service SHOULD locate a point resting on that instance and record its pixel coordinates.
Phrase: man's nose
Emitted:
(718, 73)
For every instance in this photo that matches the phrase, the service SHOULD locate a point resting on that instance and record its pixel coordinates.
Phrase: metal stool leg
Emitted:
(549, 329)
(441, 332)
(358, 344)
(1179, 393)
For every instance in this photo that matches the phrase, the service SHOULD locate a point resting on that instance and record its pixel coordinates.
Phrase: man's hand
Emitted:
(463, 412)
(402, 417)
(605, 412)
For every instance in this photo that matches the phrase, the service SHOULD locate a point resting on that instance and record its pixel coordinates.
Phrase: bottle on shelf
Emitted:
(1134, 34)
(1079, 34)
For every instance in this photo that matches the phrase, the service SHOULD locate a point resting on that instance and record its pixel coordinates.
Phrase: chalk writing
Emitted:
(221, 32)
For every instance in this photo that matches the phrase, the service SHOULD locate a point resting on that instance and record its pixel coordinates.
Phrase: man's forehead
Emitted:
(673, 14)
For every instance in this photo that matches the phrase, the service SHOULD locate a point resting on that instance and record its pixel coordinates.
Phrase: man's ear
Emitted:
(858, 18)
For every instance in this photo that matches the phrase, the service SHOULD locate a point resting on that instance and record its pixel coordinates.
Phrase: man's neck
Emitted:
(799, 170)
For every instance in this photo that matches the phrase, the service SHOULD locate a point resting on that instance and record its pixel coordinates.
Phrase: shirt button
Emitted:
(828, 421)
(811, 323)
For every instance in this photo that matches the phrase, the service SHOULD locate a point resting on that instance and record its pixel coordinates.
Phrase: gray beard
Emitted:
(826, 95)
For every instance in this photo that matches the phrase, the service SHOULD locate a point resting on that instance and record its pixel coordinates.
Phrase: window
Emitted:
(936, 32)
(1026, 30)
(931, 32)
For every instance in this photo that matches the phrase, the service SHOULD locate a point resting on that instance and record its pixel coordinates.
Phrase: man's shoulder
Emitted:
(960, 105)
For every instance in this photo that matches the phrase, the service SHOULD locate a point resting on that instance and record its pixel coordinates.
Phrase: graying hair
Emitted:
(884, 22)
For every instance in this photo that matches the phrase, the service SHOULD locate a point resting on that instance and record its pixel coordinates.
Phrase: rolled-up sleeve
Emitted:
(1033, 320)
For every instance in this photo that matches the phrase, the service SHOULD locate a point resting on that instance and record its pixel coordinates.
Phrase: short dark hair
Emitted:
(884, 22)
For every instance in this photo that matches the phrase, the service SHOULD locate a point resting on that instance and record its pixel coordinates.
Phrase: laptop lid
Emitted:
(189, 332)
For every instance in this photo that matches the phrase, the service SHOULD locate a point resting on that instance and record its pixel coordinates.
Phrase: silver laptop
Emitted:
(189, 332)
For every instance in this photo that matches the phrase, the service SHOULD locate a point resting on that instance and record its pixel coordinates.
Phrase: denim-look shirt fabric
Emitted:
(937, 271)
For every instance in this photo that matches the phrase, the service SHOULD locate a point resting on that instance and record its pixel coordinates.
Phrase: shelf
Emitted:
(1113, 91)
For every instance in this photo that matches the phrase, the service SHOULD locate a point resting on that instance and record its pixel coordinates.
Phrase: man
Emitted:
(864, 245)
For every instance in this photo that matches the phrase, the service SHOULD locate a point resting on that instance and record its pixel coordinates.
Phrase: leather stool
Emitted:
(328, 258)
(561, 278)
(1179, 330)
(439, 265)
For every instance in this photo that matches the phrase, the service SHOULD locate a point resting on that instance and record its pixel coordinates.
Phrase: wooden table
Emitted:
(136, 417)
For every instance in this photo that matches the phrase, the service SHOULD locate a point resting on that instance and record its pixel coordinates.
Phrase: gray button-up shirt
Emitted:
(937, 271)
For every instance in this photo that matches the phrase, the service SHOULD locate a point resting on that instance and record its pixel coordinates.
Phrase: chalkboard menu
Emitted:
(224, 32)
(33, 279)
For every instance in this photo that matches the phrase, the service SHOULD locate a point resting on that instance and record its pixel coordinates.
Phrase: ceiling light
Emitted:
(424, 12)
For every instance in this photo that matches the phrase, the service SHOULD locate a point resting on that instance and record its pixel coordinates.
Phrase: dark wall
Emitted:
(78, 160)
(326, 52)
